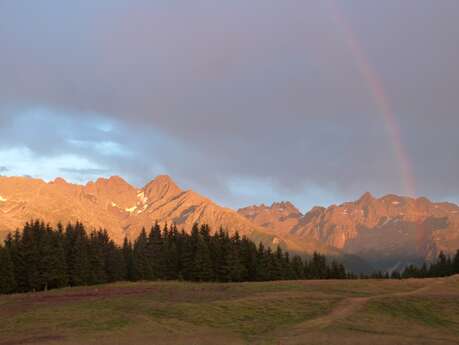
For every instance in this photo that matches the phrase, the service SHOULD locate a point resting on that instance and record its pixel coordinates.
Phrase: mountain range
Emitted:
(386, 232)
(375, 233)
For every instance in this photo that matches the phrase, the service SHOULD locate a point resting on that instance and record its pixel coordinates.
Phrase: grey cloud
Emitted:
(260, 90)
(90, 172)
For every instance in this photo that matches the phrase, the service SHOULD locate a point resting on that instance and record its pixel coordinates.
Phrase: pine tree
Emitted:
(248, 257)
(277, 264)
(142, 266)
(287, 267)
(30, 253)
(270, 264)
(97, 273)
(298, 267)
(76, 247)
(318, 266)
(263, 272)
(14, 246)
(155, 252)
(186, 257)
(54, 268)
(456, 263)
(115, 265)
(202, 266)
(128, 255)
(7, 279)
(337, 270)
(170, 253)
(237, 269)
(226, 264)
(441, 267)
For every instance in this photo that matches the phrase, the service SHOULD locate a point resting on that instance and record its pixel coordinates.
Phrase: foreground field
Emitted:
(302, 312)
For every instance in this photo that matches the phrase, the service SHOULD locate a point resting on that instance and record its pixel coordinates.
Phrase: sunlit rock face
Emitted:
(115, 205)
(280, 216)
(391, 227)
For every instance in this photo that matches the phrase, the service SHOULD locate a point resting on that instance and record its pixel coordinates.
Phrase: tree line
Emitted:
(39, 257)
(444, 266)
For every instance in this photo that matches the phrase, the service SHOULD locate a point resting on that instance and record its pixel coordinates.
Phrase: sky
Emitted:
(246, 102)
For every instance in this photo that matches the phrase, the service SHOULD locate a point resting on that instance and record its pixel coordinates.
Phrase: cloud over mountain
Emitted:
(263, 94)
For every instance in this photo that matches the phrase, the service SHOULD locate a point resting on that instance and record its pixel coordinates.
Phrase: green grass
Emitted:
(246, 316)
(432, 312)
(246, 313)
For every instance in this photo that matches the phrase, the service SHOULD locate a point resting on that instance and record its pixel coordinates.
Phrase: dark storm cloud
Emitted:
(225, 93)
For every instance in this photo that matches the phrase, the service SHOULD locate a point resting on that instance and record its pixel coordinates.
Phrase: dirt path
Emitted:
(351, 305)
(343, 309)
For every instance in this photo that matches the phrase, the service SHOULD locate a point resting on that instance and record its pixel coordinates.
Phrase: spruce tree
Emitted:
(277, 264)
(456, 263)
(96, 258)
(186, 258)
(53, 268)
(78, 264)
(262, 263)
(7, 279)
(14, 245)
(155, 252)
(115, 265)
(170, 253)
(237, 269)
(30, 253)
(142, 266)
(128, 255)
(58, 276)
(248, 257)
(287, 267)
(318, 266)
(202, 266)
(224, 260)
(297, 267)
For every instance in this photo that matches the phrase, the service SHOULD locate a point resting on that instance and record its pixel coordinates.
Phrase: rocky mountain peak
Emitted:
(285, 206)
(59, 181)
(111, 182)
(366, 198)
(161, 187)
(279, 217)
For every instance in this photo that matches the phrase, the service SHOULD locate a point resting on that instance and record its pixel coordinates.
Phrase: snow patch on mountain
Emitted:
(142, 198)
(131, 210)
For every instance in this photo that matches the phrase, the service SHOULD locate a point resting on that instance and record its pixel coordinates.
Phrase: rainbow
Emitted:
(376, 88)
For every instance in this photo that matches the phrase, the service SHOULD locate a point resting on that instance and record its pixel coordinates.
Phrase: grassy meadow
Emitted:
(290, 312)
